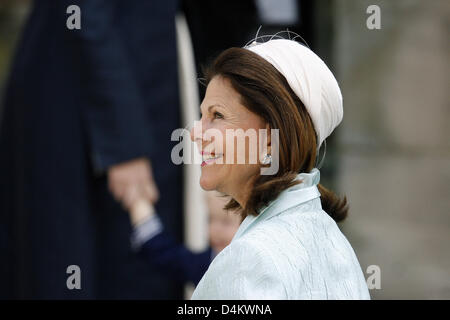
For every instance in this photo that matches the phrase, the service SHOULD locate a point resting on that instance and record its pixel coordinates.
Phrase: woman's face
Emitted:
(222, 110)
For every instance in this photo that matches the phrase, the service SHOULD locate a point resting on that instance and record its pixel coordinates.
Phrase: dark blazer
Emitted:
(78, 101)
(174, 259)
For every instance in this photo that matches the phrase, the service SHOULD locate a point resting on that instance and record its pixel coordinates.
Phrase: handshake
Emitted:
(132, 184)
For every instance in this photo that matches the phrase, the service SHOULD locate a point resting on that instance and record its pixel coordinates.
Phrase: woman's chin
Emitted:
(213, 177)
(207, 183)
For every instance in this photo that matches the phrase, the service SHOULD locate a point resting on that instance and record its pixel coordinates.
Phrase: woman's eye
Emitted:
(218, 115)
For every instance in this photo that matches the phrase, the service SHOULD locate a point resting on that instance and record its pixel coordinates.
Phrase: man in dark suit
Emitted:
(85, 112)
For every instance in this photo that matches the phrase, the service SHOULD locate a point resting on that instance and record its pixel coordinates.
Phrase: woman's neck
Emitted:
(242, 192)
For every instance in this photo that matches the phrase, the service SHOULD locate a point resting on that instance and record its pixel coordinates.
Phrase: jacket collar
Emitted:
(291, 197)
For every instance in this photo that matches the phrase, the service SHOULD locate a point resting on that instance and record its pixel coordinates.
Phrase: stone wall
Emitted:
(394, 143)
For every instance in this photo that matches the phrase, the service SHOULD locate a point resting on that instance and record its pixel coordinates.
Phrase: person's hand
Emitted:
(141, 211)
(132, 181)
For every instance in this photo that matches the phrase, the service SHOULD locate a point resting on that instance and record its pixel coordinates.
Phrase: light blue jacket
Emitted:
(291, 250)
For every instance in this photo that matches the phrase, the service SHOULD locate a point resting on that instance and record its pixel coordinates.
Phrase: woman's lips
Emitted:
(209, 158)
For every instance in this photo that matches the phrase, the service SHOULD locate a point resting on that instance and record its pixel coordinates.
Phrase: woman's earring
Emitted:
(267, 159)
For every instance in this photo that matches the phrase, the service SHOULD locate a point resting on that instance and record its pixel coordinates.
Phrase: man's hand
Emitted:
(132, 181)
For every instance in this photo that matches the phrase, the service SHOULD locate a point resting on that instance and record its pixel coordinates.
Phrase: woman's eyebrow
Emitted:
(211, 106)
(215, 105)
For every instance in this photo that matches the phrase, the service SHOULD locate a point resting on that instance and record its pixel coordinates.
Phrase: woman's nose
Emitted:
(197, 131)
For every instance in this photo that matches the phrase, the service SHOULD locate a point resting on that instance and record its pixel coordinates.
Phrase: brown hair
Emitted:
(265, 91)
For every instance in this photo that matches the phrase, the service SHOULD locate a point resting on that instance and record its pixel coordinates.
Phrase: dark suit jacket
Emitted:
(78, 101)
(174, 259)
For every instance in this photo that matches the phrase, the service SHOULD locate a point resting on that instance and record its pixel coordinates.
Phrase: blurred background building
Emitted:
(394, 142)
(391, 154)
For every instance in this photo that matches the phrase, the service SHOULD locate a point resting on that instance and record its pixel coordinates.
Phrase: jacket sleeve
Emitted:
(116, 121)
(242, 271)
(161, 251)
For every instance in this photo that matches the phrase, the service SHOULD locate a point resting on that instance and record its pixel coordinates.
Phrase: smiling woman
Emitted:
(222, 111)
(288, 246)
(234, 102)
